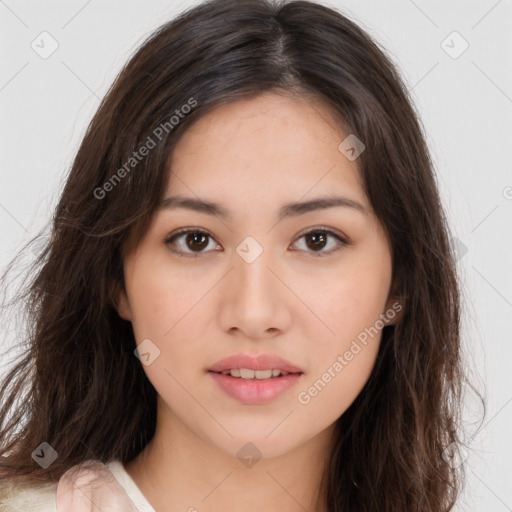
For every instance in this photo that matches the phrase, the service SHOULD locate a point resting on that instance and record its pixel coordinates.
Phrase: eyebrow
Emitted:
(287, 210)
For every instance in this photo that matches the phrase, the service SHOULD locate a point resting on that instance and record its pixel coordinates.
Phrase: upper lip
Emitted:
(254, 362)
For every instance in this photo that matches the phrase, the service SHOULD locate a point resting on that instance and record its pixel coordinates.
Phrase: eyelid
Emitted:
(326, 229)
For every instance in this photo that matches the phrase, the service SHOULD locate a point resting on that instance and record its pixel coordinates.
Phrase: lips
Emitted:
(254, 391)
(255, 362)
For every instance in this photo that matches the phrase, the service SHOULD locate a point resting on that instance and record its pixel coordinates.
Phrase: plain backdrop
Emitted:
(455, 57)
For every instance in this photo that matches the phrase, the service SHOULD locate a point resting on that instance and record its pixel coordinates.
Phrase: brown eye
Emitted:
(194, 242)
(191, 241)
(318, 239)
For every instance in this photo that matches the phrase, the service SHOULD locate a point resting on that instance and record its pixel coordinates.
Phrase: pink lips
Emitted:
(255, 391)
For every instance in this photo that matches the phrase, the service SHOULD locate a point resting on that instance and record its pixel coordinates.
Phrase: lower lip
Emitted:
(255, 391)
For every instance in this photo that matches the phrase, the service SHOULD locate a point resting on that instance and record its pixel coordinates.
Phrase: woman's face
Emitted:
(260, 277)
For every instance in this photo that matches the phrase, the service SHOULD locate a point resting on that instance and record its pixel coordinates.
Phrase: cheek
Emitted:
(346, 304)
(167, 316)
(347, 339)
(162, 298)
(335, 388)
(343, 362)
(170, 312)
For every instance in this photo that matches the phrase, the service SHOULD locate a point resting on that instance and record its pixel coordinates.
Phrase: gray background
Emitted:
(465, 104)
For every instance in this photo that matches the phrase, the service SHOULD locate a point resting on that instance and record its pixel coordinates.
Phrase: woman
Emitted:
(248, 296)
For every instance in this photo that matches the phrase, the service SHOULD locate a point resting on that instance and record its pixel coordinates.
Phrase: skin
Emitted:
(252, 156)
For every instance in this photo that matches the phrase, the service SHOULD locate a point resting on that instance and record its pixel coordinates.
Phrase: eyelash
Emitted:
(317, 254)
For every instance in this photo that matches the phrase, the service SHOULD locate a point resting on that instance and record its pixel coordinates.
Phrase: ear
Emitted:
(120, 302)
(395, 304)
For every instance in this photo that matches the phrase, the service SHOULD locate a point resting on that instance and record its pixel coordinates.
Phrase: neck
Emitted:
(177, 467)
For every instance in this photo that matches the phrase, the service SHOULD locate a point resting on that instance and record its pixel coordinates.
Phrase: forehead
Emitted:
(264, 148)
(280, 125)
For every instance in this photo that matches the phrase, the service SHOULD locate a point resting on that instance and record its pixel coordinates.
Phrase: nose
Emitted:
(255, 300)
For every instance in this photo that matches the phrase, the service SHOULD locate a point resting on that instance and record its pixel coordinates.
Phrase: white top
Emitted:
(88, 486)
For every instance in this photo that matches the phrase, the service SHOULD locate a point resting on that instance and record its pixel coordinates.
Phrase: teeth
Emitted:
(263, 374)
(245, 373)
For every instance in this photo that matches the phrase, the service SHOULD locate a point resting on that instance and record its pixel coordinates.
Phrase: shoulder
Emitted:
(74, 490)
(89, 482)
(29, 498)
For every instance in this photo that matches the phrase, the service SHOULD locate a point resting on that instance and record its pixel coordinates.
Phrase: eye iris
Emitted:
(320, 238)
(192, 240)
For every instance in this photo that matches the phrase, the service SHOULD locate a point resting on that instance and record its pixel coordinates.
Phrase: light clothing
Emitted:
(88, 487)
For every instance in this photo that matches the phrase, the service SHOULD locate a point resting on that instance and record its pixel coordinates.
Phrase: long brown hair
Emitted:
(78, 386)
